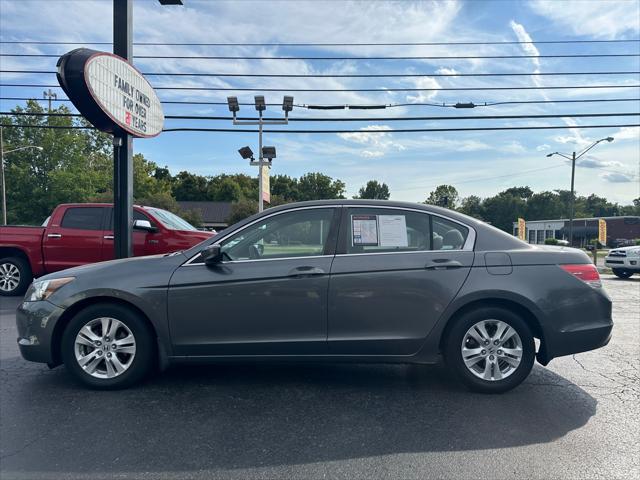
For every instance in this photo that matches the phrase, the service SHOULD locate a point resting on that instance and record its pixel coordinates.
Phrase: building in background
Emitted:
(621, 230)
(214, 214)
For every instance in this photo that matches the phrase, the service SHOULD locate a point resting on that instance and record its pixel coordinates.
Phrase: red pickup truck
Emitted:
(76, 234)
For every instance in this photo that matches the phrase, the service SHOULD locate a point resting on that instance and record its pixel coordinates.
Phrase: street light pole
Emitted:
(2, 178)
(573, 159)
(234, 107)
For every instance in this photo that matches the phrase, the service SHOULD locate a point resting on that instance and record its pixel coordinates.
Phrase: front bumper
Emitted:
(623, 263)
(36, 322)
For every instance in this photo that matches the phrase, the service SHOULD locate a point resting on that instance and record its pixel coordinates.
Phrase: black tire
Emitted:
(24, 270)
(453, 347)
(145, 346)
(621, 273)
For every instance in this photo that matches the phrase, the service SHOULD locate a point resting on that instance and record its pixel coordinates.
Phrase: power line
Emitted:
(362, 119)
(419, 57)
(364, 106)
(321, 44)
(349, 75)
(403, 130)
(383, 90)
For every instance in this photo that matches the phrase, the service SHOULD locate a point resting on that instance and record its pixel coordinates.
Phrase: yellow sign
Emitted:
(602, 231)
(266, 187)
(522, 229)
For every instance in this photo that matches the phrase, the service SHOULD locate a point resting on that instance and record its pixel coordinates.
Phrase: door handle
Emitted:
(442, 264)
(108, 237)
(305, 271)
(54, 235)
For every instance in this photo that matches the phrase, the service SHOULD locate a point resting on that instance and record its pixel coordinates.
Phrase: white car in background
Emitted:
(624, 261)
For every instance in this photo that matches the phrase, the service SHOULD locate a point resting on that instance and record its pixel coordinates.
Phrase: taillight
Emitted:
(587, 272)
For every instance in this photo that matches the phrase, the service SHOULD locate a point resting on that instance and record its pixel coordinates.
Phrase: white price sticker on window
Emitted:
(393, 231)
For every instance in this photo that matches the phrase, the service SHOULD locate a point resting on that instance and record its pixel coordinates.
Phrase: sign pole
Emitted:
(123, 142)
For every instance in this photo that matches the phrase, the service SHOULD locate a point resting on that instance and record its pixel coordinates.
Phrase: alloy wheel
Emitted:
(105, 347)
(491, 350)
(9, 277)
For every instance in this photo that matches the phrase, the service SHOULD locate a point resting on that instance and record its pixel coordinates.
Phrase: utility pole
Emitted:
(123, 142)
(49, 95)
(572, 200)
(573, 159)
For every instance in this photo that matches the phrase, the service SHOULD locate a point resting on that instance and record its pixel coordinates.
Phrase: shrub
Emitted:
(551, 241)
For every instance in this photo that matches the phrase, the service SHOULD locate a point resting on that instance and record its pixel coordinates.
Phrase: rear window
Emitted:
(448, 235)
(83, 218)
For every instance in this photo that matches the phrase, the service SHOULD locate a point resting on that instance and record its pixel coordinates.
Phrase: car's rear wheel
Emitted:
(15, 276)
(108, 346)
(490, 349)
(622, 273)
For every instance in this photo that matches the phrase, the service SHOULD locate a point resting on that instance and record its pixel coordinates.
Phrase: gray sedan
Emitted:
(339, 281)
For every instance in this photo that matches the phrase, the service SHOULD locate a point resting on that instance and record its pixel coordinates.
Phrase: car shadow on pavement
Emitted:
(246, 416)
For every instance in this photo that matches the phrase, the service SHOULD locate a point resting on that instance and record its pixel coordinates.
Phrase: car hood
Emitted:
(626, 249)
(122, 263)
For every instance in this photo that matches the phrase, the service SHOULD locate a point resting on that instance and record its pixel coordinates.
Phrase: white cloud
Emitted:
(424, 82)
(610, 19)
(617, 177)
(529, 48)
(627, 133)
(543, 147)
(447, 71)
(594, 162)
(379, 143)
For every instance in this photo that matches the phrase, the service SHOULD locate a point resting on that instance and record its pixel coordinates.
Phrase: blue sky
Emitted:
(478, 163)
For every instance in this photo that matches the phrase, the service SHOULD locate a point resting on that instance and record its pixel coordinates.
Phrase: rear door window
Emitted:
(377, 230)
(448, 235)
(83, 218)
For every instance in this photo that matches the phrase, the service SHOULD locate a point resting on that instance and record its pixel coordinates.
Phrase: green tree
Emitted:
(318, 186)
(241, 210)
(226, 190)
(444, 196)
(285, 188)
(472, 206)
(544, 205)
(187, 186)
(374, 190)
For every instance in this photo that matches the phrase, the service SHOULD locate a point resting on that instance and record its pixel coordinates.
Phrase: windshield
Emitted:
(171, 220)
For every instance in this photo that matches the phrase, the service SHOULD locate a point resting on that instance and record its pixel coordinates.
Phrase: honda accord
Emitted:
(337, 281)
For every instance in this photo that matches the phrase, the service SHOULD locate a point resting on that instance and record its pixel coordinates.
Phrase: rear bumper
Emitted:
(575, 341)
(36, 322)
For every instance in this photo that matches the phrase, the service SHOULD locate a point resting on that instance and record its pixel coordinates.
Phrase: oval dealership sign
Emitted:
(110, 93)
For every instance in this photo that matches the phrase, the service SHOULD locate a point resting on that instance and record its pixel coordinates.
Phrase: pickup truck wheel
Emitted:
(490, 349)
(622, 273)
(108, 346)
(15, 276)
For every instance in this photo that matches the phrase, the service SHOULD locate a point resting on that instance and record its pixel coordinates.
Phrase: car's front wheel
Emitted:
(622, 273)
(490, 349)
(108, 346)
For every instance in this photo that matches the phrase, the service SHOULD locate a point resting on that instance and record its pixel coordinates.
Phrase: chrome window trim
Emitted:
(231, 262)
(467, 247)
(190, 263)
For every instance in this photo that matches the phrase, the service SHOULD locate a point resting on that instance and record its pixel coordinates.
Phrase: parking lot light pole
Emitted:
(573, 159)
(234, 107)
(2, 178)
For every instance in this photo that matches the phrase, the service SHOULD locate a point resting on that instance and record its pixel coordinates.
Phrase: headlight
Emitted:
(43, 289)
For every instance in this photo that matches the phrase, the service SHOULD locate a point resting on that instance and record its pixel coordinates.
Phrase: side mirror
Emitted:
(212, 255)
(144, 225)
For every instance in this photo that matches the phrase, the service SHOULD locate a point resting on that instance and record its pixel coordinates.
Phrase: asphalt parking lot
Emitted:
(577, 418)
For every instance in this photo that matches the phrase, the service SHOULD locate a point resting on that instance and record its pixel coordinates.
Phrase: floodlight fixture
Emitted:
(261, 106)
(269, 153)
(246, 153)
(234, 106)
(609, 139)
(287, 103)
(170, 2)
